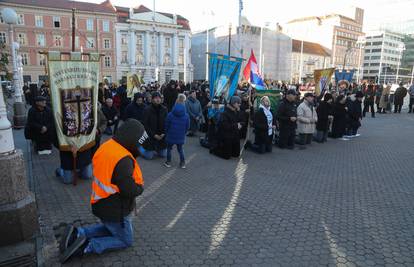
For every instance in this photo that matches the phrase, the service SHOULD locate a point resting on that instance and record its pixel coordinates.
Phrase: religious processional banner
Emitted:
(274, 97)
(343, 75)
(224, 74)
(322, 79)
(134, 81)
(74, 94)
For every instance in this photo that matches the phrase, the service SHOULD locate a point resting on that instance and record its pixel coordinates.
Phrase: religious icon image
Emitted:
(77, 110)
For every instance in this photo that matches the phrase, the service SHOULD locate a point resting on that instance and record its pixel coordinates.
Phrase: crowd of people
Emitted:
(154, 119)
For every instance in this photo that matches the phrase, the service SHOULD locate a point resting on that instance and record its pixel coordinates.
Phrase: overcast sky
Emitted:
(259, 12)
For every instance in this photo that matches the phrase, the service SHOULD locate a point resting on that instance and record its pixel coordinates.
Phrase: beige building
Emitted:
(337, 32)
(46, 25)
(313, 57)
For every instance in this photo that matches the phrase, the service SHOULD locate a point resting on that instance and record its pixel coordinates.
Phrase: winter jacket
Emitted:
(385, 97)
(285, 111)
(261, 127)
(411, 91)
(323, 110)
(369, 93)
(177, 125)
(119, 205)
(109, 112)
(339, 121)
(228, 125)
(307, 118)
(354, 112)
(399, 95)
(154, 123)
(36, 119)
(193, 107)
(135, 111)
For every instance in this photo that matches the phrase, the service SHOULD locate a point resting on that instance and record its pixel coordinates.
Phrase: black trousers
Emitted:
(410, 106)
(397, 108)
(367, 106)
(305, 139)
(287, 138)
(264, 145)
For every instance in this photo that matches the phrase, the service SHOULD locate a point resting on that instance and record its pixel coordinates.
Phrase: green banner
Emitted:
(273, 94)
(74, 93)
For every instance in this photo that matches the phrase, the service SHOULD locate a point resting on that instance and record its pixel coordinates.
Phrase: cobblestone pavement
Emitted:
(344, 203)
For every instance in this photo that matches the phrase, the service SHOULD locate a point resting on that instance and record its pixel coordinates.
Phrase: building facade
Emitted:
(274, 61)
(383, 56)
(337, 32)
(154, 45)
(45, 25)
(314, 56)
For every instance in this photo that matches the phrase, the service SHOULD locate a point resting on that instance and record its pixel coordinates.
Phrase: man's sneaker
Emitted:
(182, 165)
(345, 138)
(357, 135)
(167, 164)
(75, 248)
(68, 237)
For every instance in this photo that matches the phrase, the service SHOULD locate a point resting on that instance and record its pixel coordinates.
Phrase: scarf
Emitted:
(269, 117)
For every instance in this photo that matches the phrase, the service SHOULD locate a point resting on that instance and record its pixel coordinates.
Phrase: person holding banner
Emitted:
(286, 117)
(228, 131)
(264, 124)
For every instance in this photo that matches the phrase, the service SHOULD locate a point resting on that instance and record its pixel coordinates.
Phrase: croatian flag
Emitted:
(251, 73)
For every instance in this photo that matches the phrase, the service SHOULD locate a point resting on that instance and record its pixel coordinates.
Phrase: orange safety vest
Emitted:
(104, 163)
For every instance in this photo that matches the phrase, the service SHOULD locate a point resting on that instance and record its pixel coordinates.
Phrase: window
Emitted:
(20, 19)
(21, 38)
(89, 24)
(124, 57)
(41, 59)
(107, 62)
(90, 42)
(3, 39)
(56, 22)
(76, 41)
(1, 18)
(181, 51)
(58, 40)
(107, 43)
(375, 57)
(25, 59)
(375, 50)
(105, 26)
(39, 21)
(124, 39)
(40, 39)
(139, 50)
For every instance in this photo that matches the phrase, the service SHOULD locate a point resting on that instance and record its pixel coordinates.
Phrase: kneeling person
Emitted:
(117, 182)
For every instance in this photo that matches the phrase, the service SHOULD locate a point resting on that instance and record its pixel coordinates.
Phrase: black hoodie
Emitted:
(119, 205)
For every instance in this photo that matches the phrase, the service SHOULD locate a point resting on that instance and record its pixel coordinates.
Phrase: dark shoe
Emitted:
(247, 145)
(75, 248)
(167, 164)
(68, 237)
(302, 147)
(182, 165)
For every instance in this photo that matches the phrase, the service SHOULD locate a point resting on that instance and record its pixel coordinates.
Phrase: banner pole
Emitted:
(248, 123)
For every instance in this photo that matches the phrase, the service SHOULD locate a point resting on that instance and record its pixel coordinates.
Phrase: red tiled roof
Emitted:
(104, 7)
(123, 15)
(310, 48)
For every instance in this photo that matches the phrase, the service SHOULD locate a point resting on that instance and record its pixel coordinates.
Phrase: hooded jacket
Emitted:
(177, 125)
(119, 205)
(135, 111)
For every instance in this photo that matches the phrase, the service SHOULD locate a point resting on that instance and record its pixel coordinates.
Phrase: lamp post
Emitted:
(361, 44)
(261, 46)
(10, 18)
(400, 49)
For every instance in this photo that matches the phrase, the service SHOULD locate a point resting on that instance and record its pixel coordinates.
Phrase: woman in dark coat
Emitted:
(228, 143)
(325, 112)
(135, 110)
(340, 117)
(264, 123)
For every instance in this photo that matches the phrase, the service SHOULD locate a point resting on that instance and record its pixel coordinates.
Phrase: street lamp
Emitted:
(400, 49)
(361, 44)
(6, 134)
(10, 17)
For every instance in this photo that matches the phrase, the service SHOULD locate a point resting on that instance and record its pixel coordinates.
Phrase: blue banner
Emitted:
(223, 74)
(344, 75)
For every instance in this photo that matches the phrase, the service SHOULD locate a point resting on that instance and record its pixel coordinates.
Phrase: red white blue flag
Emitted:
(251, 73)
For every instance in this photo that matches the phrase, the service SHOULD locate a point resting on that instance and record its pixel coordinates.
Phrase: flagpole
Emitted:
(229, 40)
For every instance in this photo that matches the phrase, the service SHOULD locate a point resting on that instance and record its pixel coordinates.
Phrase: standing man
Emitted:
(117, 182)
(399, 96)
(411, 92)
(287, 116)
(369, 94)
